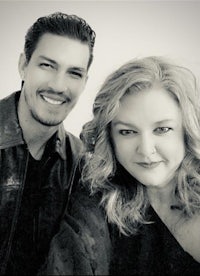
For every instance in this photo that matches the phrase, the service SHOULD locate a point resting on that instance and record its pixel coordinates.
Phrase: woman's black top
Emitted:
(153, 251)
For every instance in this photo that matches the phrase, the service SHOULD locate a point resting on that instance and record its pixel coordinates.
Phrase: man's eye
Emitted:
(127, 132)
(76, 74)
(162, 130)
(46, 65)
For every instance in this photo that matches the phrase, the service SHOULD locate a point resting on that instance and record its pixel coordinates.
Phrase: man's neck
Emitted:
(35, 134)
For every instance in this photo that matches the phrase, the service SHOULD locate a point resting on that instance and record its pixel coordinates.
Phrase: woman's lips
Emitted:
(150, 165)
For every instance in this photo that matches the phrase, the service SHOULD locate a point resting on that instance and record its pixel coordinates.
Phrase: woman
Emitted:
(143, 156)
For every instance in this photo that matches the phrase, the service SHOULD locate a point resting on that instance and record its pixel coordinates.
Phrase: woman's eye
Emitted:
(162, 130)
(127, 132)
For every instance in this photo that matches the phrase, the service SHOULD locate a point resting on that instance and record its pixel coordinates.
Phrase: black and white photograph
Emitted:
(100, 138)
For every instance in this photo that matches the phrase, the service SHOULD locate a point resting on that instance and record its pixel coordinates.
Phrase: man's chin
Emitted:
(47, 122)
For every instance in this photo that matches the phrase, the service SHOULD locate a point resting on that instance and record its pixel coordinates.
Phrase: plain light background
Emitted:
(125, 30)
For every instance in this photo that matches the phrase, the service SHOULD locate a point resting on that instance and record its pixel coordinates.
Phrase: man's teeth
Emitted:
(51, 101)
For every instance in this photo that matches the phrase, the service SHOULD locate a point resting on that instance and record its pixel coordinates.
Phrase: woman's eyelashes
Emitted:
(126, 132)
(158, 130)
(162, 130)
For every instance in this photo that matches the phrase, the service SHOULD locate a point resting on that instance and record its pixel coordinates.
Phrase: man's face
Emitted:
(54, 78)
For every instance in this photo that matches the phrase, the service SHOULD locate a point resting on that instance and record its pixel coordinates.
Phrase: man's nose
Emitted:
(146, 145)
(58, 83)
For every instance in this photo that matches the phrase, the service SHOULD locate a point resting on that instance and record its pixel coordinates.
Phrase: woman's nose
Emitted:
(146, 145)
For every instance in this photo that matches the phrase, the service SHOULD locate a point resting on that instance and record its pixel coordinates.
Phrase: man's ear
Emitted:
(86, 79)
(22, 64)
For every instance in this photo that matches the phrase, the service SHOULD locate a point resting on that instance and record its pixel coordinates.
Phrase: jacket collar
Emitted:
(11, 133)
(60, 142)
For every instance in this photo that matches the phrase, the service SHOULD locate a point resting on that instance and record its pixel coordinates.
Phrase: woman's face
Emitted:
(148, 137)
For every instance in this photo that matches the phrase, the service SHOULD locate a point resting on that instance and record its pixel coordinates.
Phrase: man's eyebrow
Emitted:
(81, 69)
(78, 69)
(48, 59)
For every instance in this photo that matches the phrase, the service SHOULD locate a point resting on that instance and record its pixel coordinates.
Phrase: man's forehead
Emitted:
(62, 50)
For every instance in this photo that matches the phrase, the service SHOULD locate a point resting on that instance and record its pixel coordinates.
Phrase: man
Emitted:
(37, 157)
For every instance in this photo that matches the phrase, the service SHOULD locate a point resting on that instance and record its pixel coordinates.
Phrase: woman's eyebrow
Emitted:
(165, 121)
(119, 122)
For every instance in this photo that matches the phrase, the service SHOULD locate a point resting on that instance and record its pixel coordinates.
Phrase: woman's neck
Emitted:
(163, 194)
(161, 199)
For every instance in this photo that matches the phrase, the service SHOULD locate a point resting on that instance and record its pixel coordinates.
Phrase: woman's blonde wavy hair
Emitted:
(125, 204)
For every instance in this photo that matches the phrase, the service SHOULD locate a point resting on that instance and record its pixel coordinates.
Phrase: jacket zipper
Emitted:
(71, 180)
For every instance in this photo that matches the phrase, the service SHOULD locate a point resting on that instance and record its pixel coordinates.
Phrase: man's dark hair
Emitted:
(60, 24)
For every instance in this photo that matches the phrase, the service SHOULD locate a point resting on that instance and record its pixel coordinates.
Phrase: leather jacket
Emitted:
(14, 158)
(83, 245)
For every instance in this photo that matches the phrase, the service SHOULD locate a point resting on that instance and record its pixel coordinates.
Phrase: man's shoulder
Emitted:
(10, 130)
(76, 144)
(7, 102)
(73, 138)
